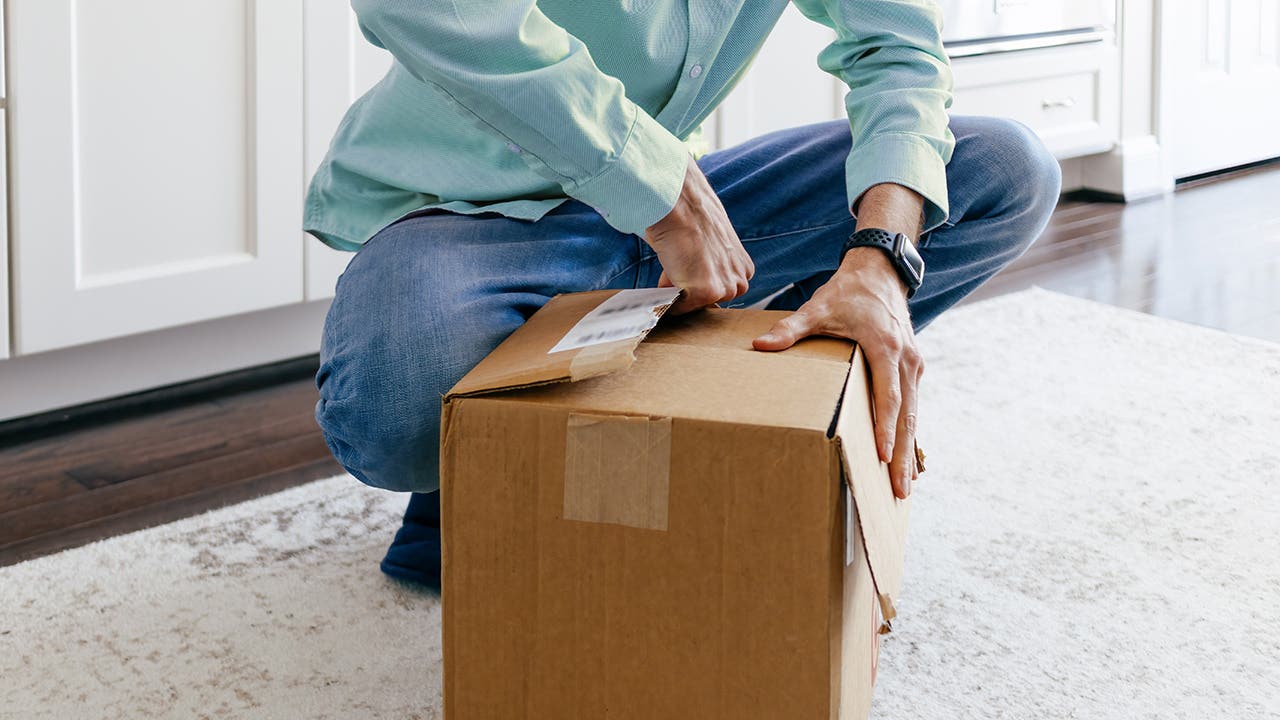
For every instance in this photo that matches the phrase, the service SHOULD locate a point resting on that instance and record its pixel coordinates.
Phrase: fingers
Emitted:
(786, 332)
(720, 283)
(902, 470)
(698, 296)
(886, 393)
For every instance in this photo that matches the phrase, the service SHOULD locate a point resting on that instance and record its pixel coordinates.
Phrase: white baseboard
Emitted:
(1133, 170)
(31, 384)
(1072, 177)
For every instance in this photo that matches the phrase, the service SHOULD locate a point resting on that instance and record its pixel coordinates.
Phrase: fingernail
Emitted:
(768, 337)
(906, 487)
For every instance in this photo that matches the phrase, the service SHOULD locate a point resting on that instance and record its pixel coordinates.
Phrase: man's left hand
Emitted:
(865, 301)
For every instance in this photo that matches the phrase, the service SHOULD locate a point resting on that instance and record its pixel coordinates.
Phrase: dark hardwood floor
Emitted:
(60, 488)
(1207, 254)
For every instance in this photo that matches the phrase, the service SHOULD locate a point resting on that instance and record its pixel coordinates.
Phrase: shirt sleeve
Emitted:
(890, 54)
(516, 73)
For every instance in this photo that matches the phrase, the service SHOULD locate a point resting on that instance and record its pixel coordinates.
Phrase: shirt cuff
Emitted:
(639, 186)
(904, 159)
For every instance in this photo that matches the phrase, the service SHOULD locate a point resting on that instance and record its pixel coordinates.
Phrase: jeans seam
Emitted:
(617, 275)
(796, 231)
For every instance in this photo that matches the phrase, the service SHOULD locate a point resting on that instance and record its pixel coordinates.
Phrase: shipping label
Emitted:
(627, 314)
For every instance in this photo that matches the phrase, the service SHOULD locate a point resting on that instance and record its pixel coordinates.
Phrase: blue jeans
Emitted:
(430, 295)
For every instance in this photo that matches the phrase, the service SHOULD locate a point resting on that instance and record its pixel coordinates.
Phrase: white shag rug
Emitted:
(1098, 536)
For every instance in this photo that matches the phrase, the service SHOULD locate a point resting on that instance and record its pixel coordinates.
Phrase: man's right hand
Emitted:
(699, 250)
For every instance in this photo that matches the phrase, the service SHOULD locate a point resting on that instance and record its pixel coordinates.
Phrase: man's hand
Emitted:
(865, 301)
(699, 250)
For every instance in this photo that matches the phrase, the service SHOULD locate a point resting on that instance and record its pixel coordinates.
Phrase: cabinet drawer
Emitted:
(1050, 106)
(1064, 94)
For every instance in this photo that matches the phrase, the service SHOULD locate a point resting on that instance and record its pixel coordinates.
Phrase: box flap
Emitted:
(882, 517)
(573, 337)
(702, 366)
(691, 382)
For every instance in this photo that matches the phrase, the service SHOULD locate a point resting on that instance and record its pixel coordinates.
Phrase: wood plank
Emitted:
(30, 460)
(159, 487)
(190, 450)
(145, 516)
(67, 464)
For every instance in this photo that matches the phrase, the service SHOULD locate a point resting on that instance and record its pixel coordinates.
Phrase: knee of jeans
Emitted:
(381, 441)
(1036, 171)
(1032, 179)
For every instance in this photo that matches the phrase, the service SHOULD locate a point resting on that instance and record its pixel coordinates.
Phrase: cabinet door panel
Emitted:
(156, 156)
(340, 67)
(1219, 83)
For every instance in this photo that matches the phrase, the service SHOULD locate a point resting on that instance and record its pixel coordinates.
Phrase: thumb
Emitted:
(664, 281)
(784, 333)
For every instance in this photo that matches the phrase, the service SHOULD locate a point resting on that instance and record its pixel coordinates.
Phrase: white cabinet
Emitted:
(1069, 95)
(156, 164)
(341, 65)
(1219, 83)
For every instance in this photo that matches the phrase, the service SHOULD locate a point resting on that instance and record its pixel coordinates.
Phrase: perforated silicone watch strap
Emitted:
(887, 241)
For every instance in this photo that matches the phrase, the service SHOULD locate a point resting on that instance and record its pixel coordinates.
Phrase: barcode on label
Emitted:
(627, 314)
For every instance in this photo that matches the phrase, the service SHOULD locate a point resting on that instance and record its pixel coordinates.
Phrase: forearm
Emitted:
(891, 207)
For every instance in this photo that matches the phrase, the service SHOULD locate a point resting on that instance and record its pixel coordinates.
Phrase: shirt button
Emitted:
(695, 71)
(514, 148)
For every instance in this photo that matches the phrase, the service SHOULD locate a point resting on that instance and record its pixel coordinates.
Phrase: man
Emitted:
(517, 150)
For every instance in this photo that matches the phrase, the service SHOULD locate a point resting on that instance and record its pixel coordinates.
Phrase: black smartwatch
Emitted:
(902, 253)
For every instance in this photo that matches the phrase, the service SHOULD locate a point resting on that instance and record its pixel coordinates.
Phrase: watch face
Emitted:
(911, 262)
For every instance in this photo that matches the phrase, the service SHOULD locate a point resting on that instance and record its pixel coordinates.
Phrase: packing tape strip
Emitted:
(617, 470)
(601, 359)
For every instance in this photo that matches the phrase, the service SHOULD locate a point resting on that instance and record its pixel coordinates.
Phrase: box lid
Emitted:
(697, 366)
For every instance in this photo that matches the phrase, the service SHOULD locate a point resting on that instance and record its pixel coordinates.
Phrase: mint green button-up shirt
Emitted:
(513, 106)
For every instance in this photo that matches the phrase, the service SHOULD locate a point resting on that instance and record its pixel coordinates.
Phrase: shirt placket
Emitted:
(709, 23)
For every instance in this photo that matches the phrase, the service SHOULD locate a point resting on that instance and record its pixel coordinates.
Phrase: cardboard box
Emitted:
(661, 526)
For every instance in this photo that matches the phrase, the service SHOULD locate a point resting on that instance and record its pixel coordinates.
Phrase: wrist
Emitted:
(687, 203)
(896, 248)
(873, 268)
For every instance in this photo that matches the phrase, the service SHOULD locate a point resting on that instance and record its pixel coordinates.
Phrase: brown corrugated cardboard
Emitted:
(656, 527)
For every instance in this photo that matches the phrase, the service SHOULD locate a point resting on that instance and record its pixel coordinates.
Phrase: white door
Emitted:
(1219, 83)
(4, 225)
(156, 164)
(4, 211)
(784, 88)
(341, 65)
